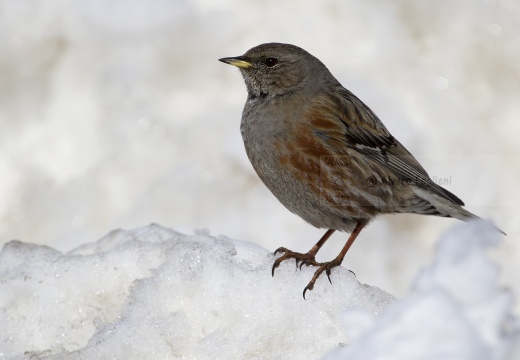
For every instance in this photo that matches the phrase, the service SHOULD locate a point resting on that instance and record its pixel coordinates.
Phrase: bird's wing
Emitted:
(362, 131)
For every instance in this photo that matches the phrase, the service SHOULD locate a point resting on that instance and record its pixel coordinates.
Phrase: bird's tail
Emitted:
(446, 208)
(465, 215)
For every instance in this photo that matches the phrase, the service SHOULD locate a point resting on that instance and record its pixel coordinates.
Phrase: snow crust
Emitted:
(154, 293)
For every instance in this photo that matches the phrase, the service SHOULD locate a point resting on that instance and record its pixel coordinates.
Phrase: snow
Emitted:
(456, 309)
(154, 293)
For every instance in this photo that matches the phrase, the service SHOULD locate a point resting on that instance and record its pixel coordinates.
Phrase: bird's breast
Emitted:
(284, 157)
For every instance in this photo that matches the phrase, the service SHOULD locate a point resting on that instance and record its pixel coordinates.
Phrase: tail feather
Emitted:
(444, 207)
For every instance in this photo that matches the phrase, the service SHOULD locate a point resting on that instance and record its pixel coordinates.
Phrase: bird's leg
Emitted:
(307, 259)
(327, 266)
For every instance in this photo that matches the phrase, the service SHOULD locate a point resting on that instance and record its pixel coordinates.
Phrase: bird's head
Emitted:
(275, 69)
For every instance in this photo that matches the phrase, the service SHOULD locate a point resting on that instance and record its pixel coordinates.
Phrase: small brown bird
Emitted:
(324, 154)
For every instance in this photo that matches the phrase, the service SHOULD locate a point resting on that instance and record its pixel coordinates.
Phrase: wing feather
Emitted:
(364, 133)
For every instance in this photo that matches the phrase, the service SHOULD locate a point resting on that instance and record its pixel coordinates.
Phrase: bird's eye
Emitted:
(270, 62)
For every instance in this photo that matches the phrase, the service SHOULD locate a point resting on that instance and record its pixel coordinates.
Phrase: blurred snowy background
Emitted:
(117, 113)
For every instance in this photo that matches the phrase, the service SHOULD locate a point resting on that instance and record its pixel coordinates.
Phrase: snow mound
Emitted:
(153, 293)
(456, 309)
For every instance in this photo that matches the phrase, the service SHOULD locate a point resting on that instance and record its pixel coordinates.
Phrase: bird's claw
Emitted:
(280, 249)
(280, 259)
(275, 265)
(327, 267)
(308, 287)
(309, 262)
(328, 275)
(305, 259)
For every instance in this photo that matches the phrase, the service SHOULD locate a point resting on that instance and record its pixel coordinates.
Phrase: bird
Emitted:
(325, 155)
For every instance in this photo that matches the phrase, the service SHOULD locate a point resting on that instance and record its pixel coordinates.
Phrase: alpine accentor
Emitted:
(324, 154)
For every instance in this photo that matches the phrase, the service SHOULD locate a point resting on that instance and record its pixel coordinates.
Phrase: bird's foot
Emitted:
(327, 267)
(301, 259)
(307, 259)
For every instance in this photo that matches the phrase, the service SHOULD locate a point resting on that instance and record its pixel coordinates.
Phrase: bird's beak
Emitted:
(238, 61)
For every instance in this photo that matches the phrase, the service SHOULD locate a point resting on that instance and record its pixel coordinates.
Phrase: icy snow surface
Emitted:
(154, 293)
